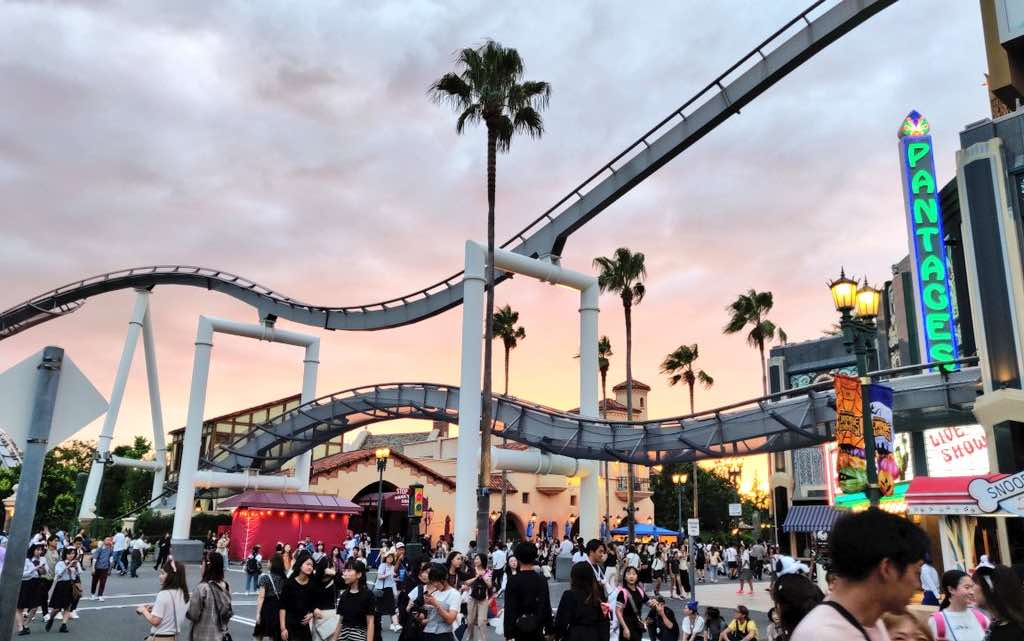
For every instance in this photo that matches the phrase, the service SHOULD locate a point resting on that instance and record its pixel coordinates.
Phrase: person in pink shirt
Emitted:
(876, 559)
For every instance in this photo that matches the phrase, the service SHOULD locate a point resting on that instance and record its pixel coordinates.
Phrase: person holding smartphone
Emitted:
(442, 603)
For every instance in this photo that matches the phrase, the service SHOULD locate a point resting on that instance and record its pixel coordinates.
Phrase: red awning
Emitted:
(292, 501)
(943, 495)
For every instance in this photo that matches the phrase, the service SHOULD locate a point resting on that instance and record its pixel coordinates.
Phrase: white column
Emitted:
(590, 507)
(155, 406)
(193, 432)
(310, 363)
(468, 465)
(92, 487)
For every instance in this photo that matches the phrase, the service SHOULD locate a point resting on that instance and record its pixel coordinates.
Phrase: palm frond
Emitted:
(527, 120)
(470, 116)
(638, 293)
(504, 129)
(452, 90)
(704, 379)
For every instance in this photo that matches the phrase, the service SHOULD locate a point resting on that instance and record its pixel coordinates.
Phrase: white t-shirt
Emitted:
(498, 559)
(578, 557)
(930, 579)
(962, 626)
(633, 560)
(119, 541)
(171, 608)
(730, 555)
(825, 622)
(565, 549)
(451, 600)
(688, 628)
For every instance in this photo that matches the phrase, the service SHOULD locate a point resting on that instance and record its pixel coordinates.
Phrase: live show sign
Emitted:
(956, 451)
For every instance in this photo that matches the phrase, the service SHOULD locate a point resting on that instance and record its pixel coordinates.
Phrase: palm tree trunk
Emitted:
(507, 350)
(695, 510)
(504, 473)
(764, 369)
(630, 502)
(607, 466)
(483, 500)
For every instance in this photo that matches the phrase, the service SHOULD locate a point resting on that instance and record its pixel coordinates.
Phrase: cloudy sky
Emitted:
(293, 143)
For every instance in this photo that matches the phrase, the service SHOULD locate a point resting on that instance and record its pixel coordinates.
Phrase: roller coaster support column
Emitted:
(466, 470)
(183, 548)
(589, 470)
(92, 487)
(155, 406)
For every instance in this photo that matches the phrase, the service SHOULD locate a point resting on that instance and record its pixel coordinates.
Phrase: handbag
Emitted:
(324, 627)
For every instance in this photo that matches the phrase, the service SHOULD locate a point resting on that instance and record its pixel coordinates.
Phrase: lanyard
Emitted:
(849, 618)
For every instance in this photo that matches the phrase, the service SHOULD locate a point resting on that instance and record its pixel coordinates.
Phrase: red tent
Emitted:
(265, 518)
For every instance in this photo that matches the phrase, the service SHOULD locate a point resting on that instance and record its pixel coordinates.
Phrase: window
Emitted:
(526, 498)
(780, 461)
(572, 500)
(641, 402)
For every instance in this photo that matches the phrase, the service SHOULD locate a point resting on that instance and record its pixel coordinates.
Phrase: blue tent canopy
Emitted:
(645, 529)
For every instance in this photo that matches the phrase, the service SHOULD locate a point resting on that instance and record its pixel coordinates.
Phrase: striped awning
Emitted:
(810, 518)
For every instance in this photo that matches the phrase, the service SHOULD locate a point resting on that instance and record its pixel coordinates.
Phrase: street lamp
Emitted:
(383, 454)
(858, 307)
(679, 480)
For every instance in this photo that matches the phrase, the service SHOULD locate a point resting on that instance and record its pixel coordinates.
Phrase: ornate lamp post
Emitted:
(383, 454)
(857, 309)
(679, 480)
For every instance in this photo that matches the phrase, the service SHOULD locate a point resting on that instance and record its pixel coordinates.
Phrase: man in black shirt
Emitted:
(527, 600)
(596, 554)
(661, 621)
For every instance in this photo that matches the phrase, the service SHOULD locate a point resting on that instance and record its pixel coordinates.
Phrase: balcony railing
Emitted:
(639, 485)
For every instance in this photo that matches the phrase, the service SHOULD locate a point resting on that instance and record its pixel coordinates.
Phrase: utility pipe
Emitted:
(534, 461)
(246, 481)
(122, 461)
(589, 501)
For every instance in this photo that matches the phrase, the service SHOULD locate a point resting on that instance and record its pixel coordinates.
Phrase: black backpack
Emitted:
(252, 566)
(478, 591)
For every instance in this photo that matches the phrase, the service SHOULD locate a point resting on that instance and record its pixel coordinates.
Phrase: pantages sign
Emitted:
(935, 323)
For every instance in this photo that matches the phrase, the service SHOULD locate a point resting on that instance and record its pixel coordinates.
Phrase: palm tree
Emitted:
(488, 88)
(504, 327)
(679, 366)
(604, 350)
(623, 274)
(751, 309)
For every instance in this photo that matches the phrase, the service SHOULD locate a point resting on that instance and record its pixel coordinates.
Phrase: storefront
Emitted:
(965, 527)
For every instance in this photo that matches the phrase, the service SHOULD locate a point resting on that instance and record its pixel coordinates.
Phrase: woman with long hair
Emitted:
(167, 613)
(66, 577)
(296, 609)
(325, 598)
(288, 557)
(511, 569)
(630, 601)
(355, 607)
(456, 573)
(384, 589)
(956, 620)
(794, 596)
(999, 592)
(28, 594)
(268, 600)
(209, 609)
(582, 614)
(338, 560)
(479, 591)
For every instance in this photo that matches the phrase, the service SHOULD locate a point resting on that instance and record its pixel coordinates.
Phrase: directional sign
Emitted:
(693, 527)
(735, 509)
(78, 402)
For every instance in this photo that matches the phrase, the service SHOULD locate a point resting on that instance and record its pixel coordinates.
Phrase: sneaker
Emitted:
(46, 617)
(751, 593)
(24, 631)
(74, 615)
(63, 627)
(739, 591)
(101, 597)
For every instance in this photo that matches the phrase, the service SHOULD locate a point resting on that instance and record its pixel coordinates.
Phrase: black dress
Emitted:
(354, 607)
(268, 624)
(526, 595)
(297, 601)
(577, 620)
(632, 601)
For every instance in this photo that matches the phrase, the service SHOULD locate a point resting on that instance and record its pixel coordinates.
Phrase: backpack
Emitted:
(940, 622)
(252, 566)
(701, 557)
(221, 604)
(478, 591)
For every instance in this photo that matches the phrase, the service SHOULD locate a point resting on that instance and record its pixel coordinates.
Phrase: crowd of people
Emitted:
(304, 592)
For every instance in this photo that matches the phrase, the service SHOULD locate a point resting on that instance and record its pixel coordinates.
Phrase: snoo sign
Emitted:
(927, 248)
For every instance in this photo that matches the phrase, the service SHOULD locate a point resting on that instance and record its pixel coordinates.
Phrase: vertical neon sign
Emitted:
(935, 322)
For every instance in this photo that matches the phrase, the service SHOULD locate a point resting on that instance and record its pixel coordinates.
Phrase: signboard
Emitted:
(78, 402)
(1005, 494)
(693, 527)
(957, 451)
(735, 509)
(851, 467)
(936, 324)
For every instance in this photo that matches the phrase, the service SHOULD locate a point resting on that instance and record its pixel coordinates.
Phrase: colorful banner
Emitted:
(851, 468)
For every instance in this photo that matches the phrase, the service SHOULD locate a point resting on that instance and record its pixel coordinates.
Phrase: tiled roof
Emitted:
(613, 405)
(496, 485)
(346, 459)
(293, 501)
(637, 385)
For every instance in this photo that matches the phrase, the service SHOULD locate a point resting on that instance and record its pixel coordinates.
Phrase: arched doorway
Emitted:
(395, 522)
(516, 529)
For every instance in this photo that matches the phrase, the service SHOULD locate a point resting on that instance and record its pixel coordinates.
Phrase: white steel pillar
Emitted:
(92, 487)
(155, 406)
(470, 404)
(589, 470)
(310, 363)
(193, 432)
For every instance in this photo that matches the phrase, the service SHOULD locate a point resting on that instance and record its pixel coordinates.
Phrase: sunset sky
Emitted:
(293, 143)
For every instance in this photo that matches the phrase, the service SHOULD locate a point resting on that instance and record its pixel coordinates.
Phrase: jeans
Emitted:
(251, 582)
(117, 561)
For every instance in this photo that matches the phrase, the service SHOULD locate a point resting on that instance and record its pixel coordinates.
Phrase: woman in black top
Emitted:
(268, 601)
(630, 600)
(356, 605)
(582, 613)
(1000, 594)
(527, 600)
(456, 569)
(298, 607)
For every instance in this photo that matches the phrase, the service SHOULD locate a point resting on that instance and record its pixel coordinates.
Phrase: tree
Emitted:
(679, 366)
(58, 508)
(604, 350)
(488, 88)
(504, 327)
(125, 488)
(716, 493)
(750, 309)
(623, 274)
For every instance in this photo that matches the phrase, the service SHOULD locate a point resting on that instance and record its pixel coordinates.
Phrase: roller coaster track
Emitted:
(801, 417)
(790, 46)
